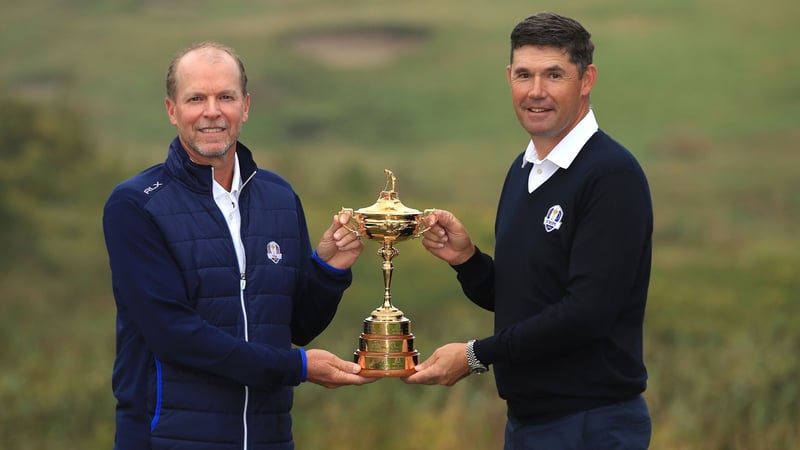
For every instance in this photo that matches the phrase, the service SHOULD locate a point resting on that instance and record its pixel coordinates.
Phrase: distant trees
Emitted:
(45, 155)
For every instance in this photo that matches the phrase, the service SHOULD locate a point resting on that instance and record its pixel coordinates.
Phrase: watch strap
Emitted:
(475, 365)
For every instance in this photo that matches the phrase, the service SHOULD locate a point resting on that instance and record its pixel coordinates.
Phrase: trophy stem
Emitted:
(387, 252)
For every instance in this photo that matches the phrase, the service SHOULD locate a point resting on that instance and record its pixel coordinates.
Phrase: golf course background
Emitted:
(704, 92)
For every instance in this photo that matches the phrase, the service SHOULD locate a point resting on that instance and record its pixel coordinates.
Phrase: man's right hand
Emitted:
(326, 369)
(447, 238)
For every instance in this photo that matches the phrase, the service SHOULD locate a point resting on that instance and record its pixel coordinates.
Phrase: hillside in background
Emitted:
(704, 93)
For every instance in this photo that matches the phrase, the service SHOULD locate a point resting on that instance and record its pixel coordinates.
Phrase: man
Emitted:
(568, 282)
(214, 279)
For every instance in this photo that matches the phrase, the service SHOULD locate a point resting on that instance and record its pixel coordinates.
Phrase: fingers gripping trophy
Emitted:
(386, 346)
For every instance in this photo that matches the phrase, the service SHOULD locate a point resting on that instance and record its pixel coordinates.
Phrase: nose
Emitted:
(537, 89)
(212, 108)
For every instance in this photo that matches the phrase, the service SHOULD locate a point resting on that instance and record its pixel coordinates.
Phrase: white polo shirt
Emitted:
(228, 203)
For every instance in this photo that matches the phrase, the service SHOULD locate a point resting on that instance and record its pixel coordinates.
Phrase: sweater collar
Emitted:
(568, 148)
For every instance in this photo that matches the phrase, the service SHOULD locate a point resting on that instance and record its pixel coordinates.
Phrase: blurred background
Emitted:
(704, 92)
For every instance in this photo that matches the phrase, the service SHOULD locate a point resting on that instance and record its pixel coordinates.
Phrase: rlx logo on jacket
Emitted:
(153, 187)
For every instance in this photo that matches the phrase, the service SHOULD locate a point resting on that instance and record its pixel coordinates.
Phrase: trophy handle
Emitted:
(421, 221)
(352, 221)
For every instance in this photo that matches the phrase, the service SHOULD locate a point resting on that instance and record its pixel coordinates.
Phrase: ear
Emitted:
(508, 74)
(170, 105)
(246, 111)
(588, 80)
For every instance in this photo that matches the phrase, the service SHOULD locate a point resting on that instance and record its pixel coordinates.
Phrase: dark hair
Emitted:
(552, 30)
(171, 82)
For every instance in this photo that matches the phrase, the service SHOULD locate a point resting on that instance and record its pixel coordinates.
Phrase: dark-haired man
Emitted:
(569, 278)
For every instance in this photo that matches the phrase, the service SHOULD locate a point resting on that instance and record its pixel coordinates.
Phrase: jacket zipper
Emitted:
(242, 285)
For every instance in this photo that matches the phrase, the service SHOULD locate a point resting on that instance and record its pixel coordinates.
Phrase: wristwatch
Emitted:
(475, 366)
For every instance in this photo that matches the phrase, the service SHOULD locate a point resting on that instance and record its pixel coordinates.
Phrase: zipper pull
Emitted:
(242, 282)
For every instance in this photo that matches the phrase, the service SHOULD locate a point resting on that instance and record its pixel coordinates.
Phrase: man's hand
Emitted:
(447, 238)
(340, 247)
(446, 366)
(326, 369)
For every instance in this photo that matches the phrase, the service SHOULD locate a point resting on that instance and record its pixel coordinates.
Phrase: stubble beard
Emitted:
(213, 154)
(210, 151)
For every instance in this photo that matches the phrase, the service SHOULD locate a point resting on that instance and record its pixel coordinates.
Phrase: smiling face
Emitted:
(209, 106)
(549, 95)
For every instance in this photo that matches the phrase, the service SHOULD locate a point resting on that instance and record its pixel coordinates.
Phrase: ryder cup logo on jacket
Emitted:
(552, 221)
(274, 252)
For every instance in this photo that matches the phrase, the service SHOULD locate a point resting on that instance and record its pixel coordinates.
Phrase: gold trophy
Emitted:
(386, 347)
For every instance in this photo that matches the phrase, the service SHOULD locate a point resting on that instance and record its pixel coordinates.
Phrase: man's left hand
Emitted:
(339, 246)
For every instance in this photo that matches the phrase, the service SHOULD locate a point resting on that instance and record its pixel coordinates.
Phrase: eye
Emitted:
(554, 76)
(194, 99)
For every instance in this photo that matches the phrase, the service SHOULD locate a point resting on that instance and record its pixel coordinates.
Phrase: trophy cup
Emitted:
(386, 347)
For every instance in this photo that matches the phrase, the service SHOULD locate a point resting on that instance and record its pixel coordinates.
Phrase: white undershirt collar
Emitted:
(562, 154)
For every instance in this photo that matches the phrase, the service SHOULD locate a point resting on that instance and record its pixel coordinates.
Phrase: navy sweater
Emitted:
(568, 284)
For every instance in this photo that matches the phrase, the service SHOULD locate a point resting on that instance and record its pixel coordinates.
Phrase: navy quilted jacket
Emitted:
(204, 354)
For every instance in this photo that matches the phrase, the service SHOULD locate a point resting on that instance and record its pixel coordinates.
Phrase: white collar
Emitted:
(568, 148)
(236, 183)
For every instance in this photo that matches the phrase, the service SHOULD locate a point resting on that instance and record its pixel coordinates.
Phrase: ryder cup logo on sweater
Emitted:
(274, 252)
(552, 221)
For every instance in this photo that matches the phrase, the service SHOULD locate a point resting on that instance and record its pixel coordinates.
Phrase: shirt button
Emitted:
(539, 171)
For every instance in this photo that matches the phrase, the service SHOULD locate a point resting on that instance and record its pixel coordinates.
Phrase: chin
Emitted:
(213, 152)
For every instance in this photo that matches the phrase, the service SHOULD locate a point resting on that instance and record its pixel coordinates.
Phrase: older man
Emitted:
(214, 280)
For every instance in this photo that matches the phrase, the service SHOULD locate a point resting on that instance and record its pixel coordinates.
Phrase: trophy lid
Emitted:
(388, 203)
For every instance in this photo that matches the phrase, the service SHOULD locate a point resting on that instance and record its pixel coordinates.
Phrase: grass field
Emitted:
(704, 92)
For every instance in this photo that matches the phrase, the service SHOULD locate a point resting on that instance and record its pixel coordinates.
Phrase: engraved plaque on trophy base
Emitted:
(386, 347)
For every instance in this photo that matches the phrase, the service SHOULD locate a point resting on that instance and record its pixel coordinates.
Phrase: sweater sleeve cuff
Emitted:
(484, 350)
(327, 266)
(476, 264)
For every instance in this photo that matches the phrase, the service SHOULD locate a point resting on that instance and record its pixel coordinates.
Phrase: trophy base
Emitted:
(386, 347)
(379, 365)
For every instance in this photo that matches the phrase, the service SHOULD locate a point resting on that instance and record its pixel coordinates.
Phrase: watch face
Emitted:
(479, 370)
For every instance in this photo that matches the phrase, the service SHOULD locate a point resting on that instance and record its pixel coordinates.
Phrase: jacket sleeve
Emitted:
(319, 291)
(153, 307)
